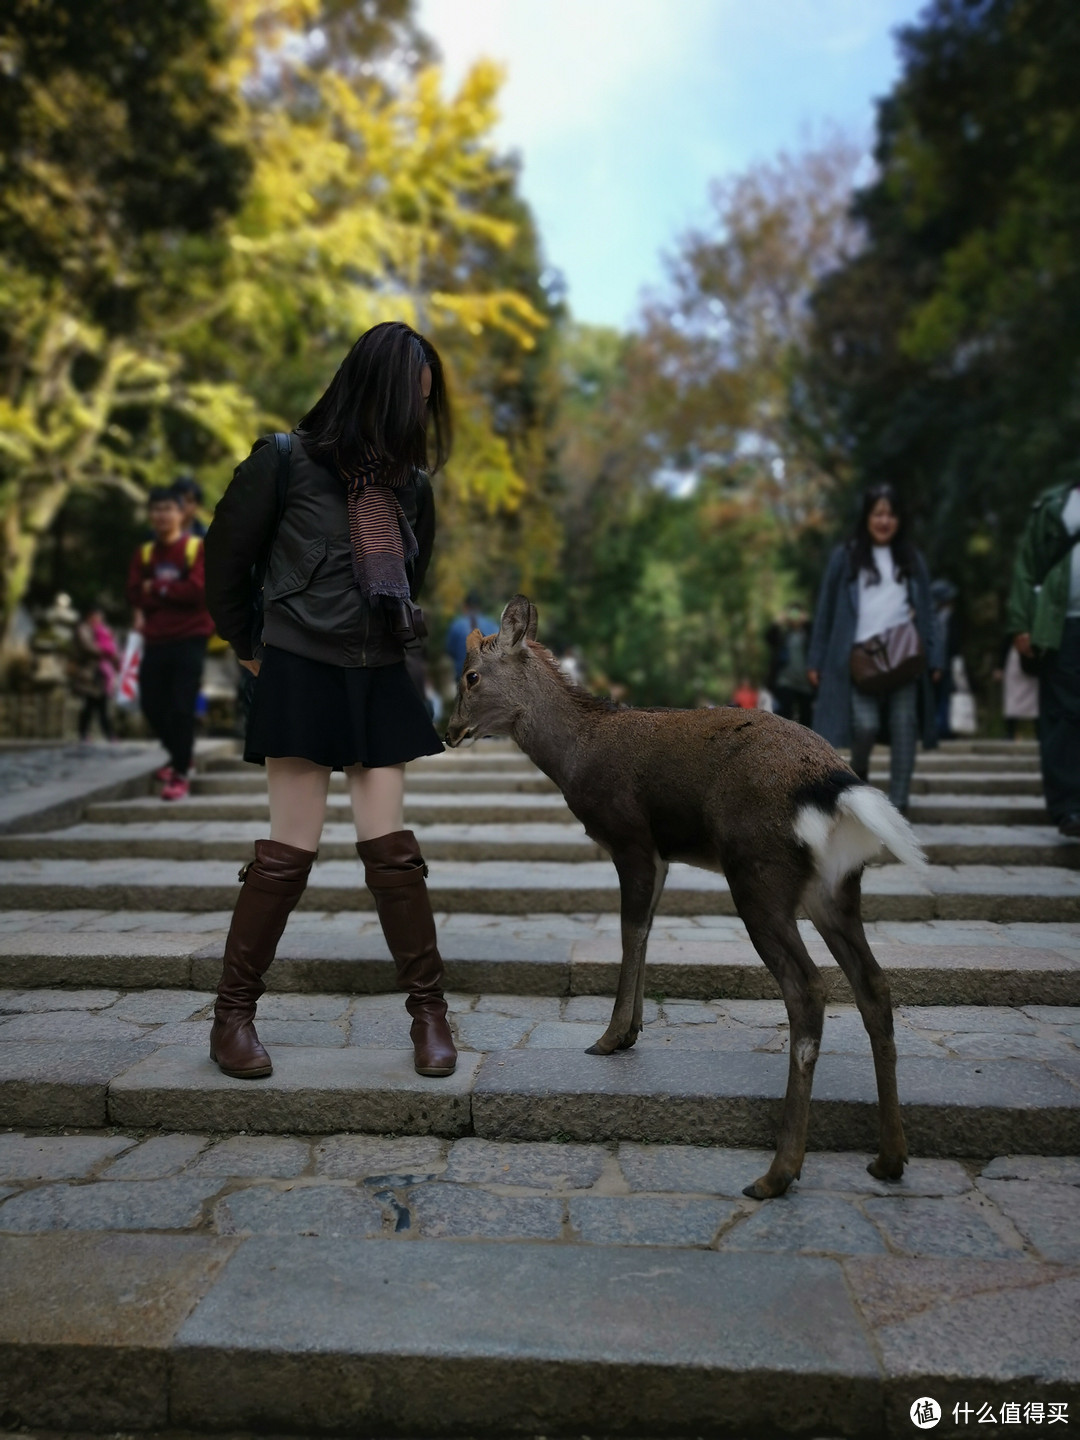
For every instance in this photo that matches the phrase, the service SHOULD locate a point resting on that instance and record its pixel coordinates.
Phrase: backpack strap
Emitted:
(191, 550)
(283, 445)
(146, 551)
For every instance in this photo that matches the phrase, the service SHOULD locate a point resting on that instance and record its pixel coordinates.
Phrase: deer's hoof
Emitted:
(602, 1047)
(887, 1168)
(628, 1041)
(768, 1187)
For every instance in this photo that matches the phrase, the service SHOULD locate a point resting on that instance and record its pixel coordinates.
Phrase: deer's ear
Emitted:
(534, 621)
(514, 625)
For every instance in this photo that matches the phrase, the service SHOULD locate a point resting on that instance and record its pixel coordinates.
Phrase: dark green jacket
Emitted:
(1040, 585)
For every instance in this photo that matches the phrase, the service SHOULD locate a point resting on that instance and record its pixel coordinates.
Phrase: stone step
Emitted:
(890, 892)
(254, 782)
(939, 809)
(424, 810)
(936, 963)
(526, 809)
(431, 784)
(966, 783)
(331, 1333)
(183, 839)
(457, 762)
(973, 1081)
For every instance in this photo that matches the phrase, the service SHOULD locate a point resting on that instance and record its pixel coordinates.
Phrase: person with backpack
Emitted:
(166, 589)
(332, 527)
(472, 618)
(1044, 621)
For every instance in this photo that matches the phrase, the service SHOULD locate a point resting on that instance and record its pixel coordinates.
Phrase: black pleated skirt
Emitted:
(336, 715)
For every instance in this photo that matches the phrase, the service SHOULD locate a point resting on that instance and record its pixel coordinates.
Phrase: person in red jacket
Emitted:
(166, 589)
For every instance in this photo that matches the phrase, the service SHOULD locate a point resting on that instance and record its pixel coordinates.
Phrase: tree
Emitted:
(692, 503)
(115, 166)
(361, 193)
(945, 355)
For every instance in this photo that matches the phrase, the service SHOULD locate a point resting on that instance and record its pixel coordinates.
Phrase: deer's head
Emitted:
(491, 692)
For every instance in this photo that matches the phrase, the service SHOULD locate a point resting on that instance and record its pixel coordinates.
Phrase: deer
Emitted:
(764, 800)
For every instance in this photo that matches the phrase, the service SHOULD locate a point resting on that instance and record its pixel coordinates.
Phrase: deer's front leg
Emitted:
(641, 879)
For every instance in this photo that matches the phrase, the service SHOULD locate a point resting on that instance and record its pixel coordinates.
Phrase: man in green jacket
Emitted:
(1044, 620)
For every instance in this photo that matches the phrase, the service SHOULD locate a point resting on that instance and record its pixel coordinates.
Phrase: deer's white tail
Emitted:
(861, 821)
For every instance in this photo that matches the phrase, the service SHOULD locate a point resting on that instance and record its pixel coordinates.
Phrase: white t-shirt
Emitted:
(882, 604)
(1070, 518)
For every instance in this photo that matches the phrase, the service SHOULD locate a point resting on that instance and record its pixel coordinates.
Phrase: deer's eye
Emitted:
(472, 678)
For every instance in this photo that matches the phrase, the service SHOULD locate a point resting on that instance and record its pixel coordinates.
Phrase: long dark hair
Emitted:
(375, 399)
(861, 546)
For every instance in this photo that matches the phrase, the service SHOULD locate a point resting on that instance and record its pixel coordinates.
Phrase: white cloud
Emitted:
(570, 63)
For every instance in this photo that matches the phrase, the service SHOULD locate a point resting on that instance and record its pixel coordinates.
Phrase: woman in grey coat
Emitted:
(875, 581)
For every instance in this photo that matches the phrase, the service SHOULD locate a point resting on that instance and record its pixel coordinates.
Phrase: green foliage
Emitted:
(946, 356)
(202, 204)
(692, 504)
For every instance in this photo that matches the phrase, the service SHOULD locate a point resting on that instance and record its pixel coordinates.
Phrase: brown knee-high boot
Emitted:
(272, 884)
(395, 873)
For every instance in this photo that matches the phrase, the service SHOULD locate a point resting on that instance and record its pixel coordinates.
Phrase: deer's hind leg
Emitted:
(767, 904)
(641, 880)
(838, 919)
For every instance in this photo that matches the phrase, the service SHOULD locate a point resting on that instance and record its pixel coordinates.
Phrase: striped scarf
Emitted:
(382, 539)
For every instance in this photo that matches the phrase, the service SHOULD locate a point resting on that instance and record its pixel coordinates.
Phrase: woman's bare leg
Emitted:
(378, 800)
(298, 791)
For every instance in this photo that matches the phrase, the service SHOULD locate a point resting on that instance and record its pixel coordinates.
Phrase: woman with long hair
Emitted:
(343, 559)
(874, 583)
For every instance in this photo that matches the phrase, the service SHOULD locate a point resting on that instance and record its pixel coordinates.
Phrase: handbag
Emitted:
(889, 660)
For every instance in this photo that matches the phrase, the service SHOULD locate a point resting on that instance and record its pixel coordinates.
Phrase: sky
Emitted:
(622, 111)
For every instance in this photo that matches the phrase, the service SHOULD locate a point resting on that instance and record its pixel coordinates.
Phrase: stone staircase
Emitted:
(548, 1242)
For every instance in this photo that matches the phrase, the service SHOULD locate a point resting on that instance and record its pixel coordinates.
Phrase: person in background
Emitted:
(1019, 691)
(189, 495)
(167, 590)
(461, 627)
(943, 594)
(1044, 621)
(874, 582)
(96, 664)
(745, 696)
(788, 640)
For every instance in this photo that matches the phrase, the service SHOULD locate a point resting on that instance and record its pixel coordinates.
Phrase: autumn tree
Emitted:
(360, 192)
(116, 166)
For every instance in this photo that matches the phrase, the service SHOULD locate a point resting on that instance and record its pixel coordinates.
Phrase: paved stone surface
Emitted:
(171, 1204)
(311, 1089)
(567, 1167)
(951, 1227)
(806, 1224)
(341, 1298)
(673, 1270)
(157, 1157)
(615, 1220)
(253, 1155)
(57, 1157)
(323, 1209)
(1000, 892)
(352, 1157)
(446, 1210)
(1046, 1215)
(62, 1083)
(91, 1318)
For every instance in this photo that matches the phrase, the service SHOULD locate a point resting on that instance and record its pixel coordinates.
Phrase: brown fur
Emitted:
(714, 788)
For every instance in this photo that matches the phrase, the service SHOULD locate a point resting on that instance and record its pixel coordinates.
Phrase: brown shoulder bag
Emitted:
(889, 660)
